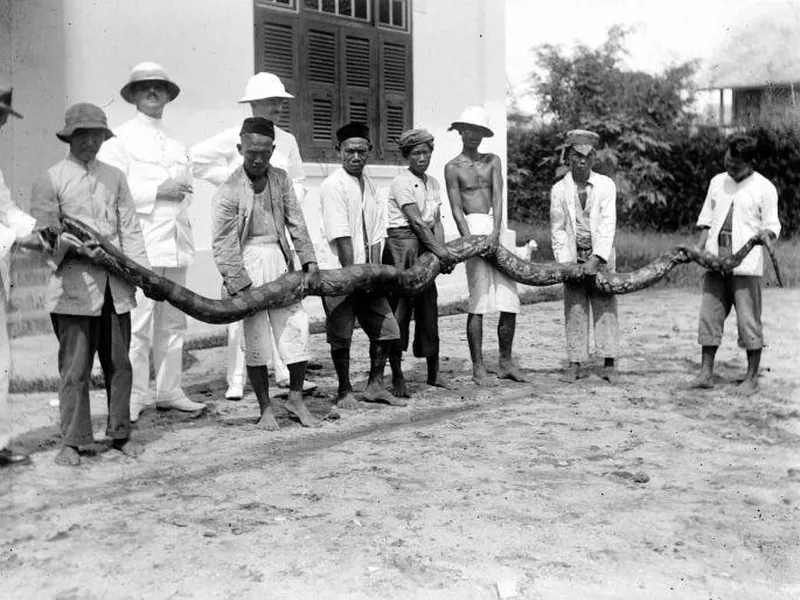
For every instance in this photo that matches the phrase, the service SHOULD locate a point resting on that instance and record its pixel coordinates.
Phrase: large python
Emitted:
(294, 286)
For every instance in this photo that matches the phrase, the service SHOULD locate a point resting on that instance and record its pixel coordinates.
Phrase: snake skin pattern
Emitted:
(294, 286)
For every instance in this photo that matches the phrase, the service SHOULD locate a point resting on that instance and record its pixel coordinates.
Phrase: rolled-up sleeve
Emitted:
(335, 217)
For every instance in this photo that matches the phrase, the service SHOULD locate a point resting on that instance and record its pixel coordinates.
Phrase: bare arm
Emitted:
(454, 195)
(497, 194)
(425, 235)
(344, 250)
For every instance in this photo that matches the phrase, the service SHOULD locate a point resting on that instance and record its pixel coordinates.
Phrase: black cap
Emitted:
(258, 125)
(352, 130)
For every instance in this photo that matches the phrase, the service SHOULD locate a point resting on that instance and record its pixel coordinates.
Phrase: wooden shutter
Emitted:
(322, 106)
(276, 52)
(395, 95)
(359, 87)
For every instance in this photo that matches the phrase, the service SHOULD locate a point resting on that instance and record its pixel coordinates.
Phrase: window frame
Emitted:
(387, 100)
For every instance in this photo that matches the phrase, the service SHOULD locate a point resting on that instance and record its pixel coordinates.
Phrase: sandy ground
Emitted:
(539, 490)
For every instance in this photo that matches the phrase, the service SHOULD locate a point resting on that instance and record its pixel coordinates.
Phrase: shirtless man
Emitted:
(475, 189)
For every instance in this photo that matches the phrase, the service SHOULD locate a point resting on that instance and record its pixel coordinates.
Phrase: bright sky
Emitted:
(667, 31)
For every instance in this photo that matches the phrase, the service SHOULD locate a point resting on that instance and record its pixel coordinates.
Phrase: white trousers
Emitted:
(5, 368)
(161, 327)
(288, 325)
(236, 364)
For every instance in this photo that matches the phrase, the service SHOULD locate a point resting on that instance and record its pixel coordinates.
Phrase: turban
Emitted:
(352, 130)
(414, 137)
(258, 125)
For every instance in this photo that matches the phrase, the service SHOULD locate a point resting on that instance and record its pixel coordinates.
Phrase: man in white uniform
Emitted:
(157, 168)
(215, 160)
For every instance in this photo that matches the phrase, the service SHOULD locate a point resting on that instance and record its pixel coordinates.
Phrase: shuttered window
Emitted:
(343, 63)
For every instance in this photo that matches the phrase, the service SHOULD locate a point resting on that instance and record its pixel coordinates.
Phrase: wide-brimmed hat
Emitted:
(149, 71)
(83, 116)
(476, 117)
(582, 141)
(264, 85)
(5, 98)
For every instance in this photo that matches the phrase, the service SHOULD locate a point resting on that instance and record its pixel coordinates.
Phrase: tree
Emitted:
(635, 113)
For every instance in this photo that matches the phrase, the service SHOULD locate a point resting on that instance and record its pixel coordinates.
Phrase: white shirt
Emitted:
(601, 202)
(215, 159)
(341, 206)
(148, 155)
(14, 224)
(755, 207)
(407, 188)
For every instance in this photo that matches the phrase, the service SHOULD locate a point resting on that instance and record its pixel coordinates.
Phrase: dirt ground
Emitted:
(539, 490)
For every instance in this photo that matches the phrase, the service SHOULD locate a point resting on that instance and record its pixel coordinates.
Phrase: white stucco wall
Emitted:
(207, 48)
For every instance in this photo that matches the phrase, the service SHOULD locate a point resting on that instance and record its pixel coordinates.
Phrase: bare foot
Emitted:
(68, 457)
(481, 378)
(400, 388)
(376, 393)
(128, 447)
(704, 381)
(267, 421)
(441, 382)
(611, 375)
(747, 388)
(571, 373)
(347, 402)
(296, 406)
(511, 372)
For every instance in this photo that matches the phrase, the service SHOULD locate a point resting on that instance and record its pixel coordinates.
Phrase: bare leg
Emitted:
(506, 327)
(749, 386)
(705, 379)
(475, 341)
(375, 392)
(399, 386)
(294, 403)
(435, 378)
(128, 447)
(259, 379)
(610, 373)
(68, 457)
(341, 362)
(572, 373)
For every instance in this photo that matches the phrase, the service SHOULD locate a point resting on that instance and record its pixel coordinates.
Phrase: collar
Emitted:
(423, 178)
(148, 121)
(592, 181)
(741, 181)
(88, 167)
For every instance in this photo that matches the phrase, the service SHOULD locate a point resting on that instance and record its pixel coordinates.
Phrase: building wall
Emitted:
(207, 48)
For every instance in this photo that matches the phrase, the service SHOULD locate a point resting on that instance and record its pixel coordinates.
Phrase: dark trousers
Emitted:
(79, 338)
(402, 251)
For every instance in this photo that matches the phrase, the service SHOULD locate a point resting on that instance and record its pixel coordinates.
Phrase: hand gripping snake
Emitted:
(384, 279)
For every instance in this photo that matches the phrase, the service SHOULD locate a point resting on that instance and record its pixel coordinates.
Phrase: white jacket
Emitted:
(14, 224)
(755, 207)
(215, 159)
(148, 155)
(602, 197)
